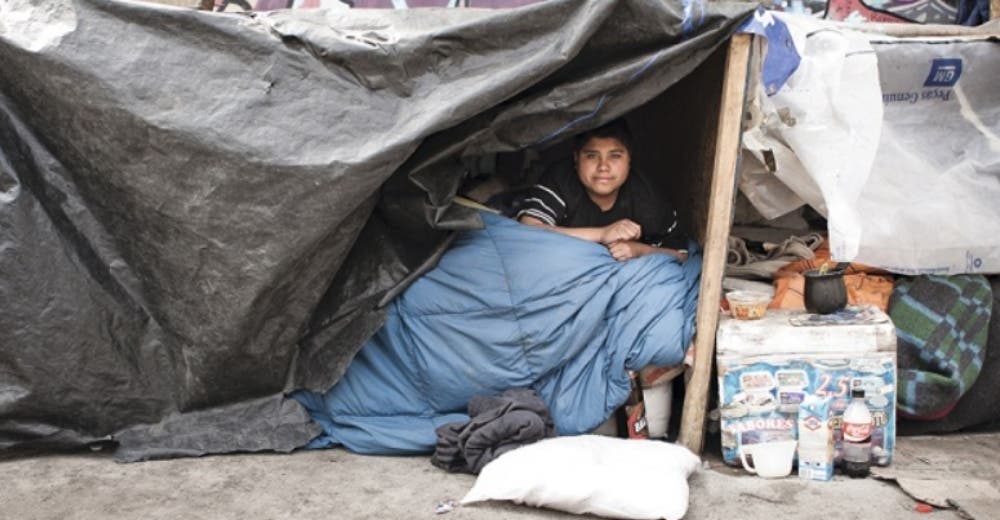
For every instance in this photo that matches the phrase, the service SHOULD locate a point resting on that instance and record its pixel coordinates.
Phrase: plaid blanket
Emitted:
(941, 326)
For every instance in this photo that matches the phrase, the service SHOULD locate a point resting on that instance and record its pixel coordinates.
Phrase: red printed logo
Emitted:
(854, 432)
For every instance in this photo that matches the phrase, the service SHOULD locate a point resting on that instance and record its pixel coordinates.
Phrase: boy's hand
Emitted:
(621, 231)
(627, 250)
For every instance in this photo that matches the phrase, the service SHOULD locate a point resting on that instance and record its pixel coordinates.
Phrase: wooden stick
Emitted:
(720, 214)
(914, 30)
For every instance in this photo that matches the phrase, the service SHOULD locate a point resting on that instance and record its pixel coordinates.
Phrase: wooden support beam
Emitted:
(720, 213)
(917, 30)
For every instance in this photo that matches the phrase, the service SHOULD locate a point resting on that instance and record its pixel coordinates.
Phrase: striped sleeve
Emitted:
(544, 203)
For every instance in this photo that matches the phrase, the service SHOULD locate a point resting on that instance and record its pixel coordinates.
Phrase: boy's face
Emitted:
(602, 165)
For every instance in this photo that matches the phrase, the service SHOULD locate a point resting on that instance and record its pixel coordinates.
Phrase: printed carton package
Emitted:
(815, 438)
(769, 367)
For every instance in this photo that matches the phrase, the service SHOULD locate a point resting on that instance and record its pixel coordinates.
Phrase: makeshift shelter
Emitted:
(893, 141)
(202, 212)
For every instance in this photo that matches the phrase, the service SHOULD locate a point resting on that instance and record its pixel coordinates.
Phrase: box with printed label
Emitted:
(767, 368)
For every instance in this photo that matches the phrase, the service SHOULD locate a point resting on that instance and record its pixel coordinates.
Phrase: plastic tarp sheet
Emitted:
(511, 306)
(202, 211)
(815, 138)
(895, 140)
(935, 181)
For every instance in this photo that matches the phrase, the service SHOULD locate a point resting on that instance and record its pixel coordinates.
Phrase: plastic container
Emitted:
(658, 401)
(657, 395)
(857, 431)
(790, 362)
(748, 305)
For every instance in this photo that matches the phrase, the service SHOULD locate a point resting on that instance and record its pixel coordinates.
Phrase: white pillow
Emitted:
(606, 476)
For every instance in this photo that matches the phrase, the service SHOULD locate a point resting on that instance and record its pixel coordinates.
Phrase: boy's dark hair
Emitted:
(616, 129)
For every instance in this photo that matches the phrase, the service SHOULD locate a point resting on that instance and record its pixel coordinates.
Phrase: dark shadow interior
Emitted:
(674, 138)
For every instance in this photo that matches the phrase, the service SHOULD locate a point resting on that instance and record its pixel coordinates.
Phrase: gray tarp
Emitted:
(200, 211)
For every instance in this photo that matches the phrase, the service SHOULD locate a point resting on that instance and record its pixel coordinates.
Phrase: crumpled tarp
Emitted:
(200, 211)
(896, 141)
(511, 306)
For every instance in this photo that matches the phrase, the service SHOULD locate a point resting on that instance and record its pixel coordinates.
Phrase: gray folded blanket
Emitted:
(741, 262)
(497, 425)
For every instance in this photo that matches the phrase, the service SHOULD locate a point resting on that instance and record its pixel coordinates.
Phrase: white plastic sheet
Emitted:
(894, 140)
(817, 136)
(932, 202)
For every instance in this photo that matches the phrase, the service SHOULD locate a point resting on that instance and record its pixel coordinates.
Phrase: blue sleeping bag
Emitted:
(510, 306)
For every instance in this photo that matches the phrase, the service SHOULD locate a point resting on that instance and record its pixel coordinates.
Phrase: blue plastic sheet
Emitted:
(782, 59)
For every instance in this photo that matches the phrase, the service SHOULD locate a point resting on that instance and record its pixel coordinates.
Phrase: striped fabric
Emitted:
(555, 207)
(544, 204)
(941, 325)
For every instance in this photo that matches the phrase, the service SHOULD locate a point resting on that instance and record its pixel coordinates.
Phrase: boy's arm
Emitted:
(621, 230)
(632, 249)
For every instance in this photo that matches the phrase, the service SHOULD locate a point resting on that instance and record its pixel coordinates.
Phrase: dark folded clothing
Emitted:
(496, 425)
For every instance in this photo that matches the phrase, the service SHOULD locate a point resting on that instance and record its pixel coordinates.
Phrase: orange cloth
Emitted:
(865, 284)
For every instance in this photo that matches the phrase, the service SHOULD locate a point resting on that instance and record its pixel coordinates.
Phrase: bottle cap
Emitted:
(857, 392)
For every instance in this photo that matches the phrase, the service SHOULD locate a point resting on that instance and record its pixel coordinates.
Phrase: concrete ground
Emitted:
(335, 484)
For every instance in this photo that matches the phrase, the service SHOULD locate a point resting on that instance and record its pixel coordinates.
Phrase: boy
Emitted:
(602, 201)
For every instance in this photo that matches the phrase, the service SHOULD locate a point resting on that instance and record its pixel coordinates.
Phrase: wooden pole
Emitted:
(720, 213)
(916, 30)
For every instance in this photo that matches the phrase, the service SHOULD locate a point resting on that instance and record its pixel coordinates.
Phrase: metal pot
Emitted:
(825, 293)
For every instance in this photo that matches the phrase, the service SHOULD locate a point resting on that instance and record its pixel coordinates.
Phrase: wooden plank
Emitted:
(916, 30)
(994, 9)
(720, 209)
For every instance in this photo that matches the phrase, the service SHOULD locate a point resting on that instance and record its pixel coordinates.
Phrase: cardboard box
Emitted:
(768, 366)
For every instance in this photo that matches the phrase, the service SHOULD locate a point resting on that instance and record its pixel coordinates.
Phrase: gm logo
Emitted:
(944, 73)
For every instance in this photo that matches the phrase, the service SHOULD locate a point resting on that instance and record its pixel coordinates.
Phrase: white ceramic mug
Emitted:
(770, 459)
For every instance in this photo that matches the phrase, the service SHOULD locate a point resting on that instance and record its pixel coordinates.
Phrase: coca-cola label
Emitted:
(857, 432)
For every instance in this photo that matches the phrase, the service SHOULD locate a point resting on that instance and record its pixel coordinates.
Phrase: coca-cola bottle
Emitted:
(857, 430)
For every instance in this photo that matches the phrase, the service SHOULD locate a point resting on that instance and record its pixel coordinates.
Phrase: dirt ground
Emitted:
(960, 471)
